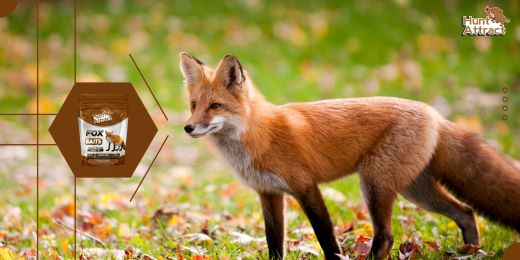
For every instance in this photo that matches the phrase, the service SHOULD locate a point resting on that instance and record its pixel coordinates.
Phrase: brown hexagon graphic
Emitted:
(7, 7)
(66, 131)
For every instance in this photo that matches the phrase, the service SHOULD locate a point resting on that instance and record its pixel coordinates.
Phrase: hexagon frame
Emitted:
(65, 130)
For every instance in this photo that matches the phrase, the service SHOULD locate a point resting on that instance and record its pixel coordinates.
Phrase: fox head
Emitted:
(217, 97)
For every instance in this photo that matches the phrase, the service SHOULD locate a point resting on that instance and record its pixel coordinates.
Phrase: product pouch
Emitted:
(103, 125)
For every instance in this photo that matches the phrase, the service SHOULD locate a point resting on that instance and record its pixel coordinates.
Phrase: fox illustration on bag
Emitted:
(118, 144)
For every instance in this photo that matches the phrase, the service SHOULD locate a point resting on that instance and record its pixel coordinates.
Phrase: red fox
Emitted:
(116, 140)
(396, 146)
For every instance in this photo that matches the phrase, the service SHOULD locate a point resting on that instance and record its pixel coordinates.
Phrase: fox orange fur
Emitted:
(396, 146)
(116, 140)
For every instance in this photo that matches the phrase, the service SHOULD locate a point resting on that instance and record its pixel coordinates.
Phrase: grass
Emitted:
(295, 52)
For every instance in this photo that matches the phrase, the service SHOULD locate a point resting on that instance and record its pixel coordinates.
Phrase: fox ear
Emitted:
(191, 68)
(229, 72)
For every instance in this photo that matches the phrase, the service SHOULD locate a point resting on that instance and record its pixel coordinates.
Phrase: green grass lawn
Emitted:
(294, 51)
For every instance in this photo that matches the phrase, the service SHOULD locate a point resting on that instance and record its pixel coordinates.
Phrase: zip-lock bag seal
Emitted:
(103, 125)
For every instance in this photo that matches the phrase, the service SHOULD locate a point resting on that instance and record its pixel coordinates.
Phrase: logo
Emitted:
(491, 25)
(101, 118)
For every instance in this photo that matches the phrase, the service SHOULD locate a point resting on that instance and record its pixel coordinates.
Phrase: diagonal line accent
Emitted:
(146, 82)
(149, 167)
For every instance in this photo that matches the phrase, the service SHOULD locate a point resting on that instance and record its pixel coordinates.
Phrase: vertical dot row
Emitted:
(505, 102)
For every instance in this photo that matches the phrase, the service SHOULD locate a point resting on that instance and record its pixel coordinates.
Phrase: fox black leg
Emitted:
(428, 194)
(273, 210)
(379, 201)
(314, 207)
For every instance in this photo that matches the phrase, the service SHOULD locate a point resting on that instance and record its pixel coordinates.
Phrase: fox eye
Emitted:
(193, 104)
(215, 106)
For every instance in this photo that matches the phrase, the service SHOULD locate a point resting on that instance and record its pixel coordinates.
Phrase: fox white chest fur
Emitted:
(238, 157)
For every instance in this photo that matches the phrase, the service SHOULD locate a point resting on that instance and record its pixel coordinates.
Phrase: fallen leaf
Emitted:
(346, 227)
(28, 253)
(362, 247)
(179, 253)
(102, 253)
(434, 244)
(230, 189)
(292, 203)
(102, 231)
(124, 231)
(12, 218)
(303, 231)
(173, 221)
(365, 229)
(3, 235)
(410, 249)
(7, 254)
(303, 247)
(407, 221)
(131, 252)
(245, 239)
(148, 257)
(468, 249)
(360, 212)
(199, 257)
(65, 246)
(198, 239)
(112, 201)
(161, 217)
(195, 250)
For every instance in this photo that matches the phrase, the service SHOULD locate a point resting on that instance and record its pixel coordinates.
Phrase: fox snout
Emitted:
(189, 128)
(197, 130)
(201, 129)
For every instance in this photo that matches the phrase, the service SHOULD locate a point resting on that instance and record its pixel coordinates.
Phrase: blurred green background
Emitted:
(294, 51)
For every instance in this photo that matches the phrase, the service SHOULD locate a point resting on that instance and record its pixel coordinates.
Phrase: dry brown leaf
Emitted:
(468, 249)
(434, 244)
(362, 247)
(361, 212)
(305, 248)
(200, 257)
(63, 210)
(410, 249)
(198, 239)
(179, 253)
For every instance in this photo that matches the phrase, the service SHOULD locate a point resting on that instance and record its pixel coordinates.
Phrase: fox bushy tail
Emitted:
(478, 175)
